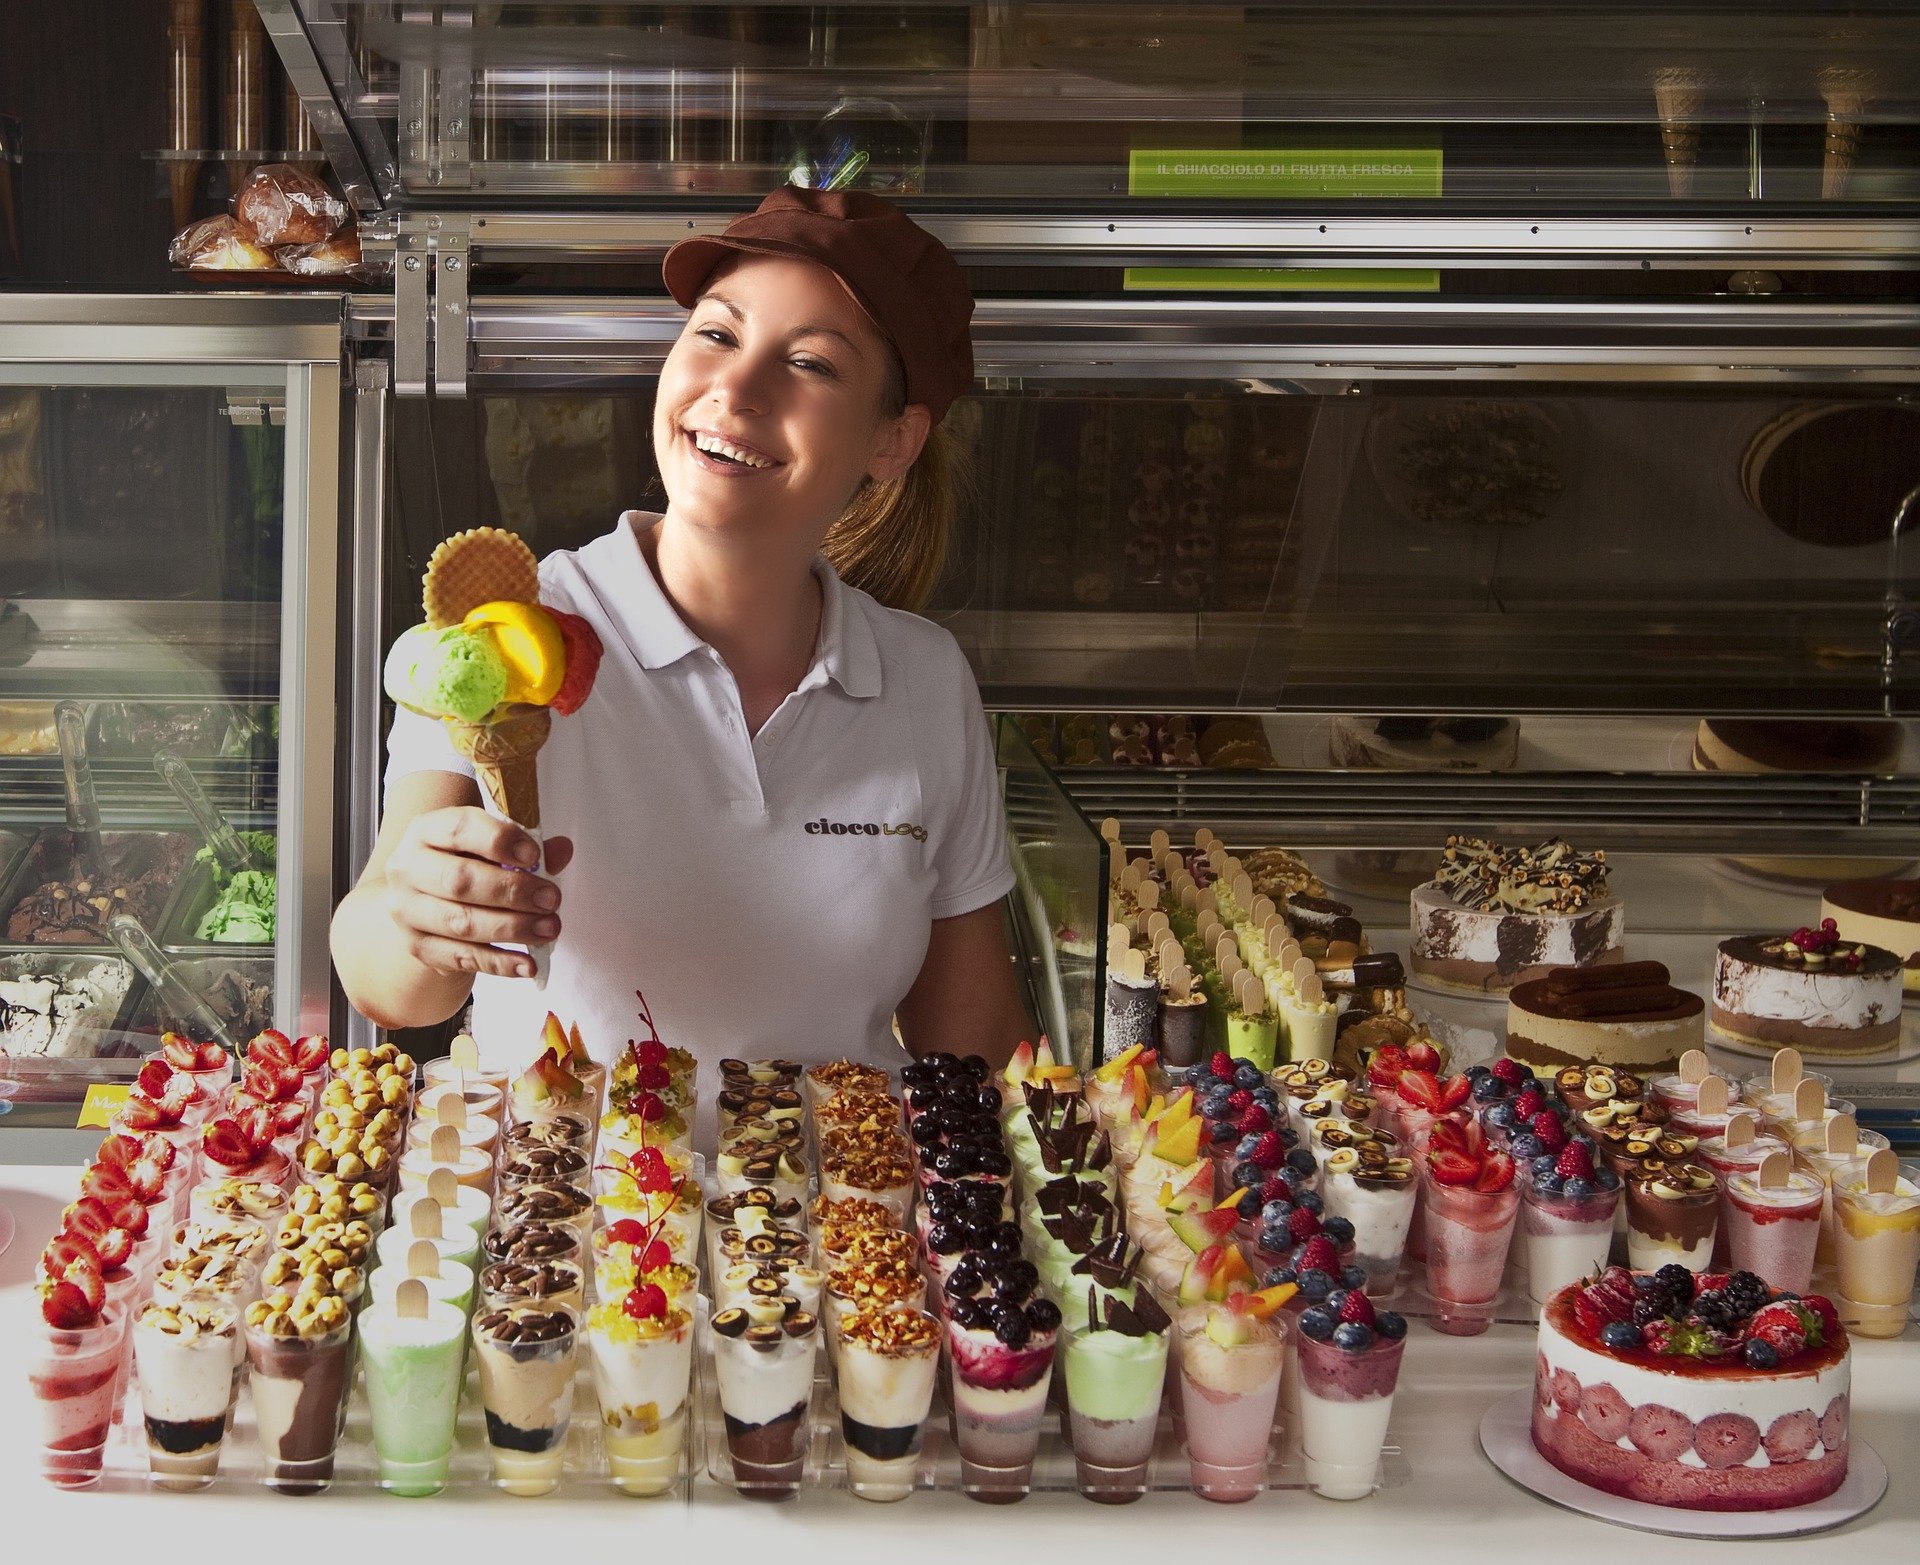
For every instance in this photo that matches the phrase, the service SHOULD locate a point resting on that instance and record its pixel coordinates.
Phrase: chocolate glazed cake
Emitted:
(1810, 989)
(1626, 1014)
(1882, 913)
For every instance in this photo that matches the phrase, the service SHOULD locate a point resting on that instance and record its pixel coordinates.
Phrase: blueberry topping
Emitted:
(1489, 1089)
(1043, 1315)
(1338, 1229)
(1578, 1189)
(1318, 1324)
(1547, 1184)
(1277, 1275)
(1276, 1212)
(1620, 1335)
(1353, 1336)
(1248, 1204)
(1335, 1299)
(1761, 1354)
(1526, 1147)
(1309, 1199)
(1545, 1164)
(1353, 1276)
(1300, 1160)
(1248, 1176)
(1246, 1075)
(1315, 1284)
(1501, 1116)
(1390, 1324)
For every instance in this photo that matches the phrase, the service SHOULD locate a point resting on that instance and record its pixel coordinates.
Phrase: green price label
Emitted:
(1287, 173)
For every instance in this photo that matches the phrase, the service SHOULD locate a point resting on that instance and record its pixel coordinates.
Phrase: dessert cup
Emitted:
(1566, 1237)
(448, 1072)
(764, 1355)
(1669, 1223)
(1828, 1166)
(237, 1200)
(527, 1358)
(1229, 1395)
(999, 1397)
(1346, 1401)
(560, 1283)
(299, 1386)
(481, 1099)
(185, 1355)
(471, 1167)
(455, 1285)
(479, 1133)
(73, 1374)
(413, 1372)
(471, 1208)
(1877, 1244)
(1380, 1207)
(1468, 1235)
(887, 1362)
(1773, 1232)
(641, 1371)
(1114, 1385)
(457, 1248)
(272, 1166)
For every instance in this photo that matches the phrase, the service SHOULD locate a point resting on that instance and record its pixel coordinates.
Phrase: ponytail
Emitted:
(891, 540)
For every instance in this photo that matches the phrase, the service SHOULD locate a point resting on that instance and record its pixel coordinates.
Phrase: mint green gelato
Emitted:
(452, 673)
(1111, 1376)
(244, 914)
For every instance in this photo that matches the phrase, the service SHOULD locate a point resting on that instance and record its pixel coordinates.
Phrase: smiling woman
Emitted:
(777, 812)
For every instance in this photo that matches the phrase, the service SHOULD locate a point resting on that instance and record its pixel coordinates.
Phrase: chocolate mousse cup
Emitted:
(299, 1385)
(764, 1355)
(528, 1355)
(1673, 1216)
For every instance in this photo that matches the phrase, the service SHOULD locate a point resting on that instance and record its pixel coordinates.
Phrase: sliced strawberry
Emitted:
(1452, 1168)
(65, 1249)
(310, 1053)
(140, 1112)
(1388, 1061)
(1448, 1135)
(1496, 1173)
(64, 1306)
(122, 1151)
(104, 1179)
(85, 1275)
(1423, 1056)
(272, 1083)
(1356, 1309)
(1453, 1091)
(115, 1248)
(1422, 1090)
(210, 1057)
(235, 1142)
(180, 1053)
(1604, 1301)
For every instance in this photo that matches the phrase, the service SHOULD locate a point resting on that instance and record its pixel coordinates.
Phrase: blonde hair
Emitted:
(891, 540)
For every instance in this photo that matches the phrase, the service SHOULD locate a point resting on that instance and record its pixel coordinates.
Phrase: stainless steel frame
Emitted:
(294, 343)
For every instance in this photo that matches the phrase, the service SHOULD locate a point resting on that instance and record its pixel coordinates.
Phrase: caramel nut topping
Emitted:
(891, 1333)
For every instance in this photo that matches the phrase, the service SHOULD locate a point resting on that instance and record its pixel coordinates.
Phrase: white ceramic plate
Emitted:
(1506, 1435)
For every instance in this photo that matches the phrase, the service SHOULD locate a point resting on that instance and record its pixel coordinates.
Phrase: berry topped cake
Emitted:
(1708, 1393)
(1493, 917)
(1811, 990)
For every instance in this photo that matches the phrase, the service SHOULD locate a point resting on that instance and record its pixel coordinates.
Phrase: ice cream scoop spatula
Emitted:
(229, 847)
(83, 803)
(136, 944)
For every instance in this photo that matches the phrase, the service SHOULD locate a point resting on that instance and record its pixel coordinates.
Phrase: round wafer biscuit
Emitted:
(483, 565)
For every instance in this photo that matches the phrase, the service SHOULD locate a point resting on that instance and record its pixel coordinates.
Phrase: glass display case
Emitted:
(168, 565)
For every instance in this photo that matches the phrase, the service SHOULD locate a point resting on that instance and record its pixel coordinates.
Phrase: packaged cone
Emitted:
(1679, 96)
(505, 755)
(1848, 94)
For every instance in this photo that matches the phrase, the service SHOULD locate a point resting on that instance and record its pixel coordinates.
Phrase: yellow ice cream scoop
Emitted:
(528, 640)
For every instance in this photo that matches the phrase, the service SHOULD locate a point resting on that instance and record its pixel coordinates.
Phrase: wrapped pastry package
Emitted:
(218, 244)
(284, 205)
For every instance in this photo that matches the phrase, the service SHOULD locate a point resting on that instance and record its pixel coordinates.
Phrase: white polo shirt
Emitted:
(770, 894)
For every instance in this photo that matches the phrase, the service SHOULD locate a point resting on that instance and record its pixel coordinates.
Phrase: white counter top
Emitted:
(1456, 1508)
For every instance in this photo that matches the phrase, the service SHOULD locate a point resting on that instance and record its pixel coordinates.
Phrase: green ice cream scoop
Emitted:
(453, 673)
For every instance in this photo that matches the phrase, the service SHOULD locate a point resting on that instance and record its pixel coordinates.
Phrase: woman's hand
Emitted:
(453, 902)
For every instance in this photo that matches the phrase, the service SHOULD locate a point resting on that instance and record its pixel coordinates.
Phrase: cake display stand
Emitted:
(1506, 1435)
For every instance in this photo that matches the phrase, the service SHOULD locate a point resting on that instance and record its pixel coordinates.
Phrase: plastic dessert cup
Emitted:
(457, 1247)
(471, 1207)
(527, 1359)
(272, 1167)
(559, 1283)
(299, 1386)
(73, 1373)
(1566, 1237)
(764, 1354)
(887, 1363)
(1114, 1385)
(413, 1371)
(1774, 1232)
(1468, 1235)
(455, 1285)
(1229, 1395)
(1877, 1240)
(1381, 1211)
(999, 1398)
(479, 1133)
(472, 1167)
(1829, 1166)
(641, 1371)
(480, 1099)
(1346, 1400)
(1668, 1224)
(185, 1355)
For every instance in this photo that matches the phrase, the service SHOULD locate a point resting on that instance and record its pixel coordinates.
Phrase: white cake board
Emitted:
(1907, 1048)
(1506, 1435)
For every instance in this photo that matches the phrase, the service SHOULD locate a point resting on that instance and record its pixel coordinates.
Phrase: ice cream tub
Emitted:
(51, 903)
(61, 1014)
(247, 903)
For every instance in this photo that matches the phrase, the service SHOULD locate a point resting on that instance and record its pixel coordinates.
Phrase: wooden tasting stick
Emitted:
(1774, 1168)
(410, 1300)
(1712, 1099)
(1787, 1070)
(1693, 1065)
(423, 1258)
(423, 1222)
(1883, 1172)
(1741, 1129)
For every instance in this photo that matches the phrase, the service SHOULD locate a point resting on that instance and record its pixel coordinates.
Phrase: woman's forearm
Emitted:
(383, 982)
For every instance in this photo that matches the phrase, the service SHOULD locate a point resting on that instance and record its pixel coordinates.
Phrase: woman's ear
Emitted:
(900, 443)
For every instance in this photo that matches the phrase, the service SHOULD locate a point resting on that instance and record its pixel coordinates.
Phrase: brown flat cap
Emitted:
(904, 278)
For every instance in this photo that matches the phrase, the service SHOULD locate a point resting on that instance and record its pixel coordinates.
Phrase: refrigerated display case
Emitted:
(169, 561)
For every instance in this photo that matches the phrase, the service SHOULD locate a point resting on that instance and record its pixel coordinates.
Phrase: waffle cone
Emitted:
(1679, 98)
(483, 565)
(505, 756)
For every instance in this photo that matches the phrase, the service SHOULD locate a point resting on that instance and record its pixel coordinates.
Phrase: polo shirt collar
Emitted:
(847, 653)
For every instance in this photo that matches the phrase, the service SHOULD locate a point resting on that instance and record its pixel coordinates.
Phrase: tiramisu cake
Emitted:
(1625, 1014)
(1882, 913)
(1493, 917)
(1811, 989)
(1714, 1393)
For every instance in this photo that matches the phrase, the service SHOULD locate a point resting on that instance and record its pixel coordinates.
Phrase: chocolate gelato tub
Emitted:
(54, 903)
(238, 989)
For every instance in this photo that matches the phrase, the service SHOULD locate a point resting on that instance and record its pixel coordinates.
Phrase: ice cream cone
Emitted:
(1679, 96)
(505, 755)
(1848, 94)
